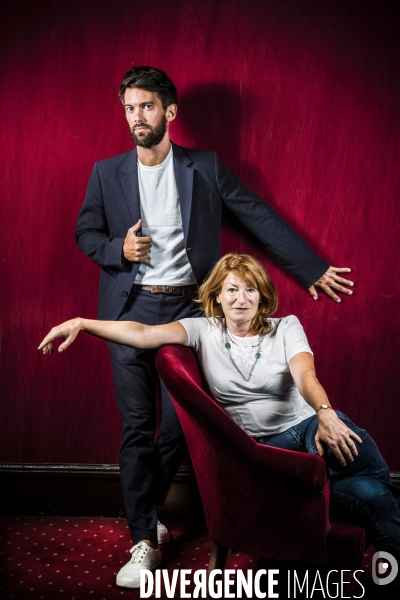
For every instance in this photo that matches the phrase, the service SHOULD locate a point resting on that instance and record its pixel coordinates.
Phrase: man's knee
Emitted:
(138, 437)
(171, 432)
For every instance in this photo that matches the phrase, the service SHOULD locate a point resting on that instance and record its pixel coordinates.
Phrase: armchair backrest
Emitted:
(259, 500)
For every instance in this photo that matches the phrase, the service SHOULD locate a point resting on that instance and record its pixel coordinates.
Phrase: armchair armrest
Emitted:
(179, 368)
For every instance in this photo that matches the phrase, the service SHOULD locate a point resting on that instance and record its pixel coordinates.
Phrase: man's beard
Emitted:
(154, 135)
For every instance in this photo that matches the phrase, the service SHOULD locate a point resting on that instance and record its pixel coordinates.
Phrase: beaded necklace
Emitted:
(257, 355)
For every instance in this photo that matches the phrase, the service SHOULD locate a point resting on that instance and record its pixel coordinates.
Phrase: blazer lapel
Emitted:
(184, 181)
(130, 185)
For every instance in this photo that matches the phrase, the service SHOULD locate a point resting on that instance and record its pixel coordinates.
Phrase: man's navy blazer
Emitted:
(112, 206)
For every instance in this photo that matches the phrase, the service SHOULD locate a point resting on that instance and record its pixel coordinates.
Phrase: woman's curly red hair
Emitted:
(253, 273)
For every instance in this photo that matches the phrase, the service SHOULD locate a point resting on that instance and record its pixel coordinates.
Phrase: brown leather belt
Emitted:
(177, 290)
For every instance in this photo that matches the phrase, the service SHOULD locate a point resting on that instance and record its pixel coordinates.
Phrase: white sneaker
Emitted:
(143, 557)
(163, 535)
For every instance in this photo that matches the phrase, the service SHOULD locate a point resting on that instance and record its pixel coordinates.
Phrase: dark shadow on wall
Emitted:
(212, 116)
(213, 119)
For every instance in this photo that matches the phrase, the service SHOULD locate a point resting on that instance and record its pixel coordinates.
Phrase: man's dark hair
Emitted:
(152, 80)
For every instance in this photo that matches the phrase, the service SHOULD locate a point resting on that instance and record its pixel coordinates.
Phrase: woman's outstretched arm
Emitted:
(128, 333)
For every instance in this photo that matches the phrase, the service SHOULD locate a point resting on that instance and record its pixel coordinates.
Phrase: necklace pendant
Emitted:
(257, 355)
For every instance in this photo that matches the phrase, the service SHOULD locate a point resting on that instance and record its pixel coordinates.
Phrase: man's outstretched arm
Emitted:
(288, 247)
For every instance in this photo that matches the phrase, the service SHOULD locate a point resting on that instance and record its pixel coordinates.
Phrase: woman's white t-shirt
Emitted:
(269, 402)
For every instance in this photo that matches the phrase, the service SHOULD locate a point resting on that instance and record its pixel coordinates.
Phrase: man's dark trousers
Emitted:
(147, 468)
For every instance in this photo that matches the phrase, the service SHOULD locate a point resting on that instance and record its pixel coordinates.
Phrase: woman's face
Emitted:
(239, 301)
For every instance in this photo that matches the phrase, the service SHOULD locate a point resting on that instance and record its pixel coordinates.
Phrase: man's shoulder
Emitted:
(194, 155)
(115, 162)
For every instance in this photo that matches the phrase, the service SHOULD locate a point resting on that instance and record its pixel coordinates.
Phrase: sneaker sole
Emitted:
(135, 583)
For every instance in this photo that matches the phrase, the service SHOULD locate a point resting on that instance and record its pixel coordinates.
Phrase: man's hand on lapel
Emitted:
(331, 281)
(136, 248)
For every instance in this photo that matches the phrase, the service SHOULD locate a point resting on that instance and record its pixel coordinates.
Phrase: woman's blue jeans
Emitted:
(362, 491)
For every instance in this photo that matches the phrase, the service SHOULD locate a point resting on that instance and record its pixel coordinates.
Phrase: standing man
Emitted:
(151, 219)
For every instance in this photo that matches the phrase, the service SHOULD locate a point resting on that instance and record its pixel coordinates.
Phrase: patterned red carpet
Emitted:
(48, 558)
(78, 558)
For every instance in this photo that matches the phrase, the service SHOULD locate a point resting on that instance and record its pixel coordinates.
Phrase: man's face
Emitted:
(147, 119)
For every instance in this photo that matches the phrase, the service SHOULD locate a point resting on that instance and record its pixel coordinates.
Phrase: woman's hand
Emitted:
(333, 432)
(67, 331)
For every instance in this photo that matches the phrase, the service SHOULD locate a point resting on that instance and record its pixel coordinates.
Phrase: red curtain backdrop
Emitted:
(301, 100)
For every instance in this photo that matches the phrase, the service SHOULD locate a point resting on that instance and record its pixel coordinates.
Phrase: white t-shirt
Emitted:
(270, 402)
(168, 263)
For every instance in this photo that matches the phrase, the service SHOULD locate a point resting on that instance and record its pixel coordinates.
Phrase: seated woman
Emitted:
(261, 371)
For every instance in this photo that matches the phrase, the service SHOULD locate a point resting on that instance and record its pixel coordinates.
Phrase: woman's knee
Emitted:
(369, 460)
(363, 494)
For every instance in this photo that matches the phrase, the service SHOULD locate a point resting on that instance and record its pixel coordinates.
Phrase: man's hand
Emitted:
(337, 435)
(67, 331)
(331, 281)
(136, 248)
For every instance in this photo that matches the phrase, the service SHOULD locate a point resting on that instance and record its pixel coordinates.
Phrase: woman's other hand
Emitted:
(66, 331)
(340, 439)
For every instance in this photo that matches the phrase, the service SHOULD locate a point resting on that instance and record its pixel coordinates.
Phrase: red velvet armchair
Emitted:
(263, 501)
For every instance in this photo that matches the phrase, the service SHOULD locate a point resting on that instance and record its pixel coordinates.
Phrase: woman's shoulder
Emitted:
(203, 324)
(282, 324)
(283, 321)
